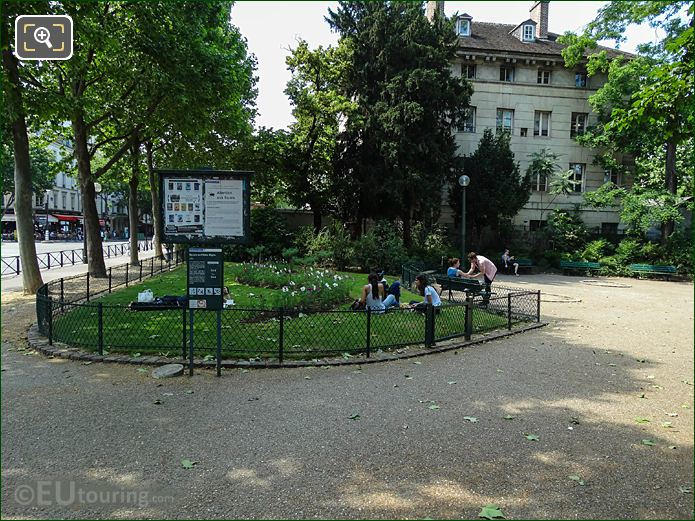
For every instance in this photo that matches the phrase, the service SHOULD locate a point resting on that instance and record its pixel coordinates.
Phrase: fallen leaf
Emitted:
(672, 414)
(471, 419)
(168, 394)
(142, 370)
(651, 376)
(157, 402)
(508, 417)
(574, 420)
(417, 363)
(491, 512)
(188, 464)
(189, 391)
(672, 447)
(451, 383)
(666, 425)
(641, 420)
(86, 363)
(307, 377)
(577, 479)
(354, 417)
(685, 490)
(685, 406)
(408, 377)
(531, 437)
(137, 355)
(648, 442)
(208, 358)
(434, 407)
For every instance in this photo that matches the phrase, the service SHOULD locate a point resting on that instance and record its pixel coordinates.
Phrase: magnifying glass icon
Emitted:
(42, 35)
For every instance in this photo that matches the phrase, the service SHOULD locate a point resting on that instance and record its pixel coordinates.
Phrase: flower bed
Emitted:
(310, 289)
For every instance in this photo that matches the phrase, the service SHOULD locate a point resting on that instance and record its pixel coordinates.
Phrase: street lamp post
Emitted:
(464, 181)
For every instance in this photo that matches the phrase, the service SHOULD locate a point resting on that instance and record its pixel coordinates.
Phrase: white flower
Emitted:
(292, 283)
(335, 284)
(314, 287)
(285, 289)
(303, 288)
(293, 293)
(327, 285)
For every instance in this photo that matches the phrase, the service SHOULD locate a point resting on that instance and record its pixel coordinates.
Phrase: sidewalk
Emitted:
(14, 283)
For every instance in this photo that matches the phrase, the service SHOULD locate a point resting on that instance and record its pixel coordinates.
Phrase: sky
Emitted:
(272, 28)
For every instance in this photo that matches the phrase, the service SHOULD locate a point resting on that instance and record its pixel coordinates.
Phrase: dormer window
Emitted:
(463, 27)
(529, 33)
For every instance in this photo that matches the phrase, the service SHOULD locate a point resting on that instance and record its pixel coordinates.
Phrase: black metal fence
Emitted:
(67, 312)
(53, 259)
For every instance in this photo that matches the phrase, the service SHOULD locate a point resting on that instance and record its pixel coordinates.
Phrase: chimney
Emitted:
(434, 9)
(539, 14)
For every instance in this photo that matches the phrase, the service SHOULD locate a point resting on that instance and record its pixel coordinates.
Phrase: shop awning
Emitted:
(9, 218)
(42, 219)
(67, 218)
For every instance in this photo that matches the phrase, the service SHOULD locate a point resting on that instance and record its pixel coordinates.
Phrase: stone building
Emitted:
(520, 84)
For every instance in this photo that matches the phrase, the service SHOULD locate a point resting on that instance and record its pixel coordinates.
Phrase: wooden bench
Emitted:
(524, 264)
(651, 269)
(568, 266)
(458, 284)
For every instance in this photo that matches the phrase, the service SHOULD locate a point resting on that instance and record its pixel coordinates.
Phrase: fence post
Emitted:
(151, 266)
(87, 286)
(18, 266)
(468, 331)
(428, 314)
(100, 314)
(73, 257)
(509, 311)
(183, 343)
(48, 258)
(62, 295)
(281, 347)
(50, 321)
(190, 344)
(219, 342)
(538, 306)
(61, 258)
(140, 271)
(109, 279)
(369, 332)
(126, 275)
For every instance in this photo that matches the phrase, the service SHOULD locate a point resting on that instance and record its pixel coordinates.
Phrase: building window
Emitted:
(541, 124)
(464, 27)
(609, 229)
(39, 199)
(65, 200)
(469, 123)
(72, 201)
(577, 176)
(529, 32)
(580, 79)
(505, 120)
(468, 71)
(543, 77)
(523, 132)
(578, 123)
(611, 176)
(506, 73)
(539, 183)
(535, 225)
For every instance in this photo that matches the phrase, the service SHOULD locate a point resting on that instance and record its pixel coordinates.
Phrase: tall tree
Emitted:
(647, 102)
(500, 190)
(16, 115)
(318, 108)
(398, 145)
(43, 171)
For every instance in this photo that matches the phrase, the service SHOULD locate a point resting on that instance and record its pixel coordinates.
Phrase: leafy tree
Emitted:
(646, 106)
(398, 147)
(544, 167)
(43, 171)
(318, 108)
(498, 187)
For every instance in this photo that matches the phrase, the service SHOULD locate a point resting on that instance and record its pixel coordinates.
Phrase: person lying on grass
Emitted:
(426, 290)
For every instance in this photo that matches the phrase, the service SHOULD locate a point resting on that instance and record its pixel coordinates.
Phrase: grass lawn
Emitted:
(248, 334)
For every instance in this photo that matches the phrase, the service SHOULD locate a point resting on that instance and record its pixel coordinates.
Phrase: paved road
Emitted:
(281, 444)
(11, 249)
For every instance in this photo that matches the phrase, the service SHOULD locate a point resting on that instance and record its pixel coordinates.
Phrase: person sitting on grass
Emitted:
(454, 270)
(509, 261)
(426, 290)
(374, 297)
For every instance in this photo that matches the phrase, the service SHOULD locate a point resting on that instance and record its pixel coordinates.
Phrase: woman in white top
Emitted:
(426, 290)
(373, 295)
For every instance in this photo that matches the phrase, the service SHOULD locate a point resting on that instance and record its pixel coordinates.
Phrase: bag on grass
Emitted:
(146, 296)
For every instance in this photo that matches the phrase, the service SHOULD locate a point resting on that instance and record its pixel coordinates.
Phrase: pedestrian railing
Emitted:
(12, 265)
(67, 312)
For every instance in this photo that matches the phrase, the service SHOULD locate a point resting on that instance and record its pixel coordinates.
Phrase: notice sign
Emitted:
(205, 206)
(205, 276)
(224, 207)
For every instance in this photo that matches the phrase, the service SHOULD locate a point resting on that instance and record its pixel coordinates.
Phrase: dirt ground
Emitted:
(606, 388)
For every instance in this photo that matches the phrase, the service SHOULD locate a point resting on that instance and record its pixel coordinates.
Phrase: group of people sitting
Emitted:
(377, 295)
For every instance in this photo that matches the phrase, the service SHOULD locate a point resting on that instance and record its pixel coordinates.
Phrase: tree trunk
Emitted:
(31, 276)
(95, 254)
(133, 203)
(671, 182)
(317, 219)
(154, 193)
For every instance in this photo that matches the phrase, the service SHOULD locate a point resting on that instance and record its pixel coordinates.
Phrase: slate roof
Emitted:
(496, 38)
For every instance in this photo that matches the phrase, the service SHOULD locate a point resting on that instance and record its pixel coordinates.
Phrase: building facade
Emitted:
(520, 85)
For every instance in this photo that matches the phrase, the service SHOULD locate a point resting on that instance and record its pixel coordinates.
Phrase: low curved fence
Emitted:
(67, 313)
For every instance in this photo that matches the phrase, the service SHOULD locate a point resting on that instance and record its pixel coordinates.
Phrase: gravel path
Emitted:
(281, 444)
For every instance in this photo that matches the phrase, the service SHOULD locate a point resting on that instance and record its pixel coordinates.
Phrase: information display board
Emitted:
(205, 276)
(204, 206)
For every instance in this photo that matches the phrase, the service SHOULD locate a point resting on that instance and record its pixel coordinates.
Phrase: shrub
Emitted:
(380, 247)
(627, 251)
(330, 247)
(595, 250)
(566, 230)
